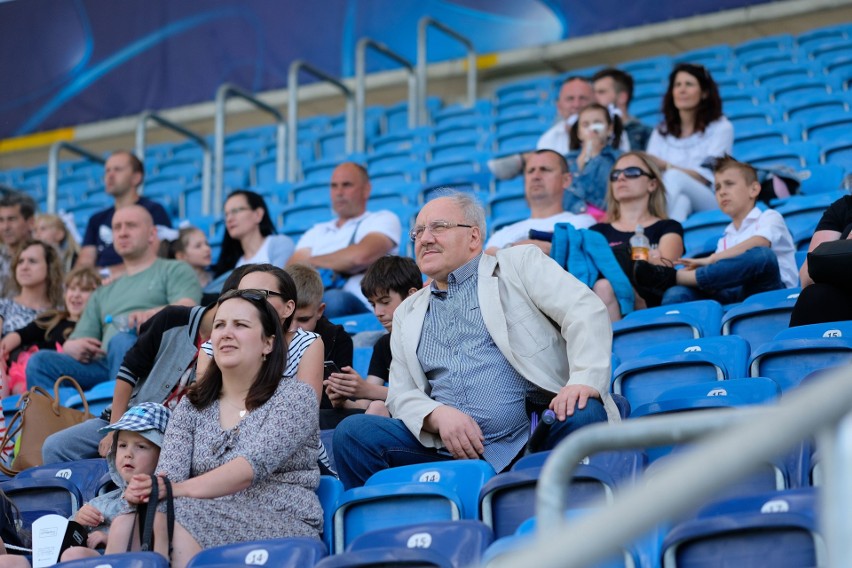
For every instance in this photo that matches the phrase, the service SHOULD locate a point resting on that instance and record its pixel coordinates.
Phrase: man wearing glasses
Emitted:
(546, 177)
(492, 338)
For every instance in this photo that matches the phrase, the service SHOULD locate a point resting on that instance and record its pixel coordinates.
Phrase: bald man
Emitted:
(94, 351)
(344, 248)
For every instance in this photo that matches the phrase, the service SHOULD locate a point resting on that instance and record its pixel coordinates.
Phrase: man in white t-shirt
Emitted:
(342, 249)
(546, 178)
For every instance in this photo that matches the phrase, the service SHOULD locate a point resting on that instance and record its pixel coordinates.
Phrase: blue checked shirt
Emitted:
(467, 371)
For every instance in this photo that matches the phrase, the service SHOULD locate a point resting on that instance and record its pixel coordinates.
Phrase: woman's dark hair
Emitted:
(209, 388)
(232, 249)
(286, 284)
(575, 143)
(709, 109)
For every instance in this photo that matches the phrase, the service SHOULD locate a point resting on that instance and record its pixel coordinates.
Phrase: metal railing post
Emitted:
(422, 27)
(141, 130)
(293, 110)
(53, 168)
(360, 87)
(223, 93)
(750, 438)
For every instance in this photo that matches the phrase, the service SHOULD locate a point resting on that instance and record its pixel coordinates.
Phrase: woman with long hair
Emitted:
(693, 132)
(636, 195)
(593, 143)
(241, 447)
(51, 327)
(250, 234)
(37, 281)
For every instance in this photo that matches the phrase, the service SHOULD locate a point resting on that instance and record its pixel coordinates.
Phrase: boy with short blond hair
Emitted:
(310, 316)
(755, 254)
(388, 281)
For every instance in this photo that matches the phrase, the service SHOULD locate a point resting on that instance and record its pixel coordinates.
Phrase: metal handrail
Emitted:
(293, 110)
(739, 442)
(422, 25)
(223, 93)
(141, 130)
(53, 168)
(360, 87)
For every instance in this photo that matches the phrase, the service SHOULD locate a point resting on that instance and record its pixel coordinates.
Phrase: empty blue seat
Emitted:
(776, 529)
(759, 318)
(799, 351)
(280, 552)
(462, 542)
(711, 394)
(658, 368)
(821, 179)
(665, 323)
(382, 557)
(508, 499)
(329, 491)
(86, 474)
(121, 560)
(796, 155)
(426, 492)
(36, 497)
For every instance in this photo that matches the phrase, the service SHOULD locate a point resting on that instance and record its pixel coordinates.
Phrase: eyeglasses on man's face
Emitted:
(435, 227)
(632, 172)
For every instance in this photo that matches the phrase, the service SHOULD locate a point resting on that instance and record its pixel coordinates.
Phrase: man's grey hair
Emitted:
(472, 210)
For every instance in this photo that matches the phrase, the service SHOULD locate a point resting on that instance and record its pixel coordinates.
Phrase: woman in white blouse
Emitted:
(692, 133)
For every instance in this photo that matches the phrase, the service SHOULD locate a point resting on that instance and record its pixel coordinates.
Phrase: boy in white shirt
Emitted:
(755, 254)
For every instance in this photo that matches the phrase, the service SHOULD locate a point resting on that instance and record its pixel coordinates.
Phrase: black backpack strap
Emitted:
(147, 526)
(170, 511)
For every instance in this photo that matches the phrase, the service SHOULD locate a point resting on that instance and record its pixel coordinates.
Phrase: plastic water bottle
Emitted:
(121, 322)
(640, 246)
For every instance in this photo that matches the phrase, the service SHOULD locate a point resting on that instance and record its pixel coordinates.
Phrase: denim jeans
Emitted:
(342, 303)
(78, 442)
(365, 444)
(732, 279)
(44, 367)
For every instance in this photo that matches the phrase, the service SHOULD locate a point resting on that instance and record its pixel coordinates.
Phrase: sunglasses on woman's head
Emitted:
(632, 172)
(256, 294)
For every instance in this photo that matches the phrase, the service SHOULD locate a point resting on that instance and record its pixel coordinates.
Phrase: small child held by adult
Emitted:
(755, 254)
(135, 450)
(388, 281)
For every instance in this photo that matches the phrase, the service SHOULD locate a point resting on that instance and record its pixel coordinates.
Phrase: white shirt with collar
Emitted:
(770, 225)
(521, 230)
(327, 237)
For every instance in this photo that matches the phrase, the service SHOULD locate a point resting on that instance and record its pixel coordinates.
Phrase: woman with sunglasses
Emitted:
(693, 132)
(250, 234)
(241, 447)
(637, 196)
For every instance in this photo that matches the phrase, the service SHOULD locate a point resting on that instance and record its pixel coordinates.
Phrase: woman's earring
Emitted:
(264, 358)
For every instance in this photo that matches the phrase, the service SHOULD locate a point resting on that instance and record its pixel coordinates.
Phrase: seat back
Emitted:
(122, 560)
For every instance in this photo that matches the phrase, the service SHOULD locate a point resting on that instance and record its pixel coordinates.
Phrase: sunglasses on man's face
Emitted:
(632, 172)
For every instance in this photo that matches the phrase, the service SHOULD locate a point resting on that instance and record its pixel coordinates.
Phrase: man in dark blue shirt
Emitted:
(123, 174)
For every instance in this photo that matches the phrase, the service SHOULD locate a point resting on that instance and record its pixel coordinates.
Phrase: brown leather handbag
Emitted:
(40, 415)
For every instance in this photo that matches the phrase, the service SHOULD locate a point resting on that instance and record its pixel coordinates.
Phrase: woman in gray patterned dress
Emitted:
(241, 448)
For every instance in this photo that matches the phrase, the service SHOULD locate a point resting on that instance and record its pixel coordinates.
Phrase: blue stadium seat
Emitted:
(711, 394)
(821, 179)
(356, 323)
(797, 352)
(839, 153)
(462, 542)
(432, 491)
(35, 497)
(665, 323)
(508, 499)
(775, 529)
(815, 105)
(658, 368)
(329, 491)
(796, 155)
(509, 202)
(829, 125)
(401, 140)
(121, 560)
(383, 557)
(809, 39)
(516, 142)
(768, 45)
(452, 169)
(759, 318)
(98, 398)
(476, 184)
(701, 230)
(291, 552)
(789, 87)
(86, 474)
